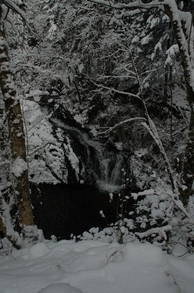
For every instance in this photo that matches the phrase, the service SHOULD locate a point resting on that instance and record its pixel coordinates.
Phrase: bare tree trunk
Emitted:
(17, 141)
(185, 48)
(188, 170)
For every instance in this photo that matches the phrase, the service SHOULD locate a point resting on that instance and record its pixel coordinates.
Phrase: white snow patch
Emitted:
(72, 157)
(142, 193)
(52, 30)
(146, 40)
(135, 39)
(18, 167)
(173, 50)
(180, 98)
(36, 251)
(35, 94)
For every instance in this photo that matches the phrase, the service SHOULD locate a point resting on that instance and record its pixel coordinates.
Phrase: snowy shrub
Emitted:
(155, 218)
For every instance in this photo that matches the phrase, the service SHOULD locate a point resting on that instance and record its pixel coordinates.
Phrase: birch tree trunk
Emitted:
(19, 169)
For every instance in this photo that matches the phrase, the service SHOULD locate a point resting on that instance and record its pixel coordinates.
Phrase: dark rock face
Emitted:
(89, 177)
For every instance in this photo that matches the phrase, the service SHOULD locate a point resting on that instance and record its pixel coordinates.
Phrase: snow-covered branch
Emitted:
(160, 231)
(6, 223)
(121, 123)
(132, 5)
(178, 203)
(17, 10)
(117, 91)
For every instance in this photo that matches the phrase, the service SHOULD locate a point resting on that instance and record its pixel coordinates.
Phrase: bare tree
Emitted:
(18, 165)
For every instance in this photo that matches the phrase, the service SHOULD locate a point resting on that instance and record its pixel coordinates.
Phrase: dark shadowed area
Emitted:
(63, 210)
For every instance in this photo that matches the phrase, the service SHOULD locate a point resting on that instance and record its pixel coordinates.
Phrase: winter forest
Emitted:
(96, 146)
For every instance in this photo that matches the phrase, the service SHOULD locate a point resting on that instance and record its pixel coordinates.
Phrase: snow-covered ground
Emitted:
(95, 267)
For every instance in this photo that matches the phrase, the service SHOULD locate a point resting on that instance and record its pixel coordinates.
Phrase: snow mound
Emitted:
(59, 288)
(36, 251)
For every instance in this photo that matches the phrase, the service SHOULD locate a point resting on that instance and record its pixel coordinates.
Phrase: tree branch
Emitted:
(116, 91)
(17, 10)
(121, 123)
(133, 5)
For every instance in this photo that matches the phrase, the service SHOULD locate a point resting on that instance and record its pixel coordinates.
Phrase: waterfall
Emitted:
(92, 160)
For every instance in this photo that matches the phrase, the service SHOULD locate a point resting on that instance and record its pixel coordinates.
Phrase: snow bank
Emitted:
(95, 267)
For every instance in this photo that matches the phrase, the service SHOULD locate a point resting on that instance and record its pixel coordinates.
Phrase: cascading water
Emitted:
(91, 160)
